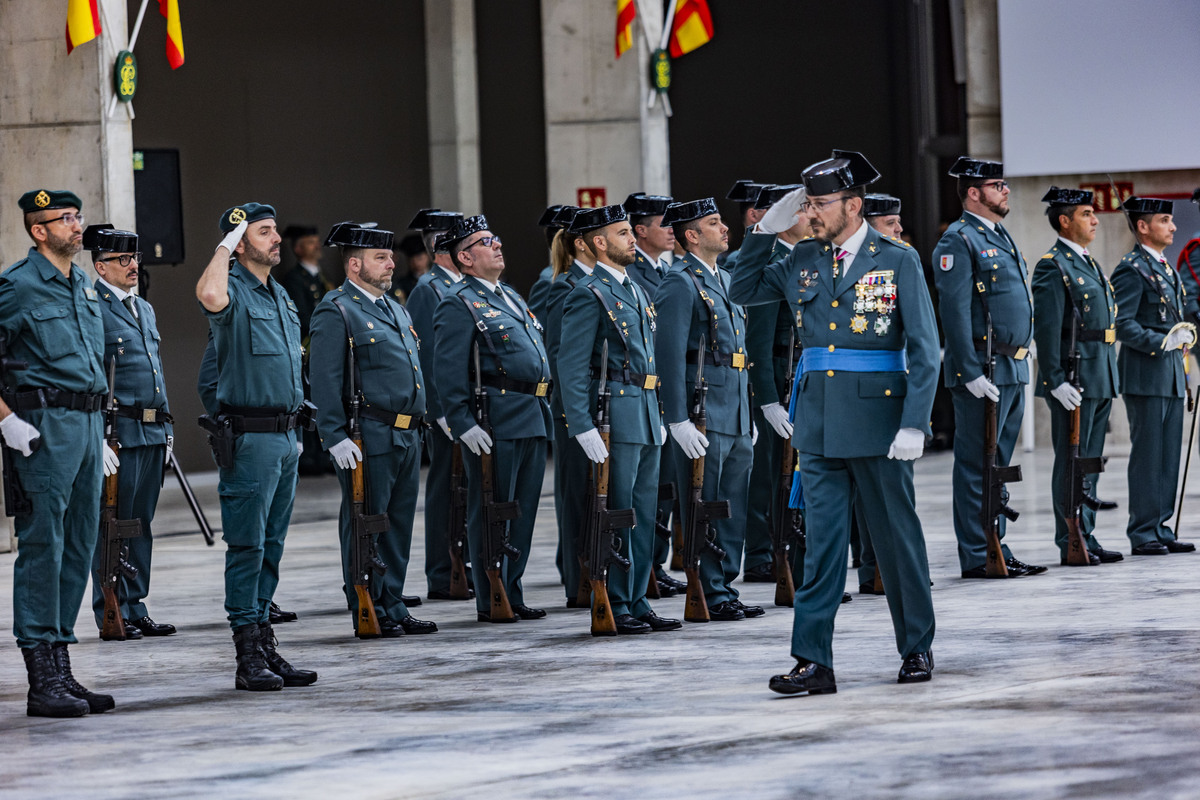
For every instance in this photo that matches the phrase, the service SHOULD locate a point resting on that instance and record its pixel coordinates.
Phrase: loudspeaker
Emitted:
(159, 205)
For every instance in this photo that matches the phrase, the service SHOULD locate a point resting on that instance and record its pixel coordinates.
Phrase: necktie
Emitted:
(383, 303)
(838, 262)
(128, 303)
(507, 302)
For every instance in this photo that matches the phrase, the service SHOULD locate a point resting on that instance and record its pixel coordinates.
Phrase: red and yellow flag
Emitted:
(170, 10)
(83, 22)
(692, 26)
(626, 11)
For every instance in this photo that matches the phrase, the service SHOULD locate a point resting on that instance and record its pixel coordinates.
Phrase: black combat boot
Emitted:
(252, 672)
(48, 695)
(97, 703)
(291, 676)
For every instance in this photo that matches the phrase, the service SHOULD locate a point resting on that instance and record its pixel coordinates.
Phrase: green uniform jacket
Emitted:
(1144, 316)
(516, 343)
(389, 368)
(684, 316)
(645, 273)
(553, 298)
(633, 410)
(306, 291)
(537, 292)
(1065, 283)
(429, 291)
(843, 414)
(138, 380)
(1004, 277)
(770, 328)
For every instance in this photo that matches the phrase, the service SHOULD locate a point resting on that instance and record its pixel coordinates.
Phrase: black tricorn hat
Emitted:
(437, 221)
(461, 230)
(548, 219)
(773, 193)
(366, 235)
(967, 167)
(640, 204)
(845, 169)
(106, 239)
(686, 212)
(299, 231)
(880, 205)
(419, 219)
(1148, 205)
(744, 191)
(564, 216)
(589, 219)
(1069, 197)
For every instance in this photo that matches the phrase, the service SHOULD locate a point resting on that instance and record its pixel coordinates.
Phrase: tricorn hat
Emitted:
(1148, 205)
(1068, 197)
(773, 193)
(967, 167)
(589, 219)
(845, 169)
(744, 191)
(461, 230)
(640, 204)
(106, 239)
(880, 205)
(366, 235)
(677, 213)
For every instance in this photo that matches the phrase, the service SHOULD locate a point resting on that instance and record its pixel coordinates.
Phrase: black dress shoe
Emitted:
(762, 573)
(132, 631)
(868, 588)
(388, 629)
(414, 626)
(666, 589)
(1093, 560)
(1176, 546)
(662, 576)
(627, 623)
(149, 627)
(1107, 556)
(483, 616)
(916, 668)
(1150, 549)
(846, 598)
(805, 677)
(278, 615)
(1106, 505)
(725, 612)
(1028, 569)
(750, 611)
(410, 600)
(444, 594)
(525, 612)
(658, 623)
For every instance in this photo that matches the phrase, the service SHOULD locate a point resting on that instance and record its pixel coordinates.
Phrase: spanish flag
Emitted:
(170, 10)
(692, 26)
(626, 11)
(83, 22)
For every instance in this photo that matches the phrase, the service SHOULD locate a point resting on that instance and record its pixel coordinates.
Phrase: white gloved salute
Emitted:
(784, 214)
(1070, 397)
(908, 445)
(233, 237)
(346, 454)
(1179, 337)
(19, 434)
(981, 387)
(777, 417)
(445, 426)
(111, 462)
(593, 446)
(477, 440)
(691, 441)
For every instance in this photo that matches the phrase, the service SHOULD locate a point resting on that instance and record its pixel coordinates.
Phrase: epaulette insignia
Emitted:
(1048, 255)
(806, 238)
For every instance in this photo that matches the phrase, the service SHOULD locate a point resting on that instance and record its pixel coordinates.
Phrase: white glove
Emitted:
(784, 214)
(170, 449)
(477, 440)
(346, 454)
(662, 435)
(233, 237)
(981, 387)
(1181, 337)
(1070, 397)
(692, 442)
(299, 449)
(19, 434)
(111, 462)
(777, 416)
(753, 434)
(441, 421)
(908, 445)
(593, 446)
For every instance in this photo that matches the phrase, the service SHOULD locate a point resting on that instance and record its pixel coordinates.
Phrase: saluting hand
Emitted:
(233, 237)
(784, 214)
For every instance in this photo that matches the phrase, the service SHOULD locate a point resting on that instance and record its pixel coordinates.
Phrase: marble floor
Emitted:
(1079, 683)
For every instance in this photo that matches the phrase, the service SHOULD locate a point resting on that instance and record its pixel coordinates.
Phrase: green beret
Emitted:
(246, 212)
(44, 199)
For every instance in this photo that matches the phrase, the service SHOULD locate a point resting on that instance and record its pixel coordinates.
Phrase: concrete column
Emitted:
(54, 132)
(599, 132)
(983, 79)
(453, 105)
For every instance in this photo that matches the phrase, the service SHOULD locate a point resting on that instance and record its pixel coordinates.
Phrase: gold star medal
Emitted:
(858, 323)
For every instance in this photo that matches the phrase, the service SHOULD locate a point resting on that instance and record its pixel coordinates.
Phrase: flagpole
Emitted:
(666, 33)
(137, 28)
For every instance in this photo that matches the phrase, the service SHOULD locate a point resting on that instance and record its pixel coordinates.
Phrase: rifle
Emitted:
(787, 524)
(698, 536)
(16, 501)
(456, 526)
(1077, 468)
(666, 491)
(364, 527)
(114, 552)
(496, 515)
(601, 544)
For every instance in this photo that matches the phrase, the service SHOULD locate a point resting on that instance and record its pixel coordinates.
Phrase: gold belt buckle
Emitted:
(543, 389)
(1110, 336)
(651, 382)
(403, 422)
(739, 360)
(1020, 354)
(149, 415)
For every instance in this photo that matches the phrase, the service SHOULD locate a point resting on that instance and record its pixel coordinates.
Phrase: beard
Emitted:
(996, 208)
(63, 246)
(267, 258)
(381, 283)
(623, 259)
(830, 231)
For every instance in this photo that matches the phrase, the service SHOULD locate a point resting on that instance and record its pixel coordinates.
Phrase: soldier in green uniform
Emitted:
(697, 321)
(554, 219)
(144, 423)
(256, 338)
(1150, 308)
(50, 319)
(481, 312)
(608, 306)
(745, 194)
(882, 212)
(861, 406)
(388, 376)
(980, 270)
(439, 444)
(1073, 298)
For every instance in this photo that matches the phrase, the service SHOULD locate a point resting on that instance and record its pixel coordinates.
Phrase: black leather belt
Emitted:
(33, 399)
(147, 415)
(629, 378)
(1000, 348)
(735, 360)
(261, 420)
(404, 422)
(506, 384)
(1106, 335)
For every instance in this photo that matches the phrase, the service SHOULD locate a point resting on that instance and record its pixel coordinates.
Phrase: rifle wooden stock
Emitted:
(996, 568)
(783, 520)
(696, 540)
(1077, 552)
(112, 628)
(456, 527)
(366, 623)
(878, 585)
(603, 623)
(495, 515)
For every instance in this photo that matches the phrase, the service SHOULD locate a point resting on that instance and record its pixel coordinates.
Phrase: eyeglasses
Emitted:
(486, 241)
(126, 259)
(70, 219)
(999, 186)
(820, 205)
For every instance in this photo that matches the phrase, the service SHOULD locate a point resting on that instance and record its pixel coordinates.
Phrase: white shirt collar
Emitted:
(1074, 246)
(788, 245)
(368, 292)
(1157, 255)
(990, 225)
(120, 293)
(453, 276)
(616, 274)
(587, 270)
(855, 242)
(645, 255)
(311, 269)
